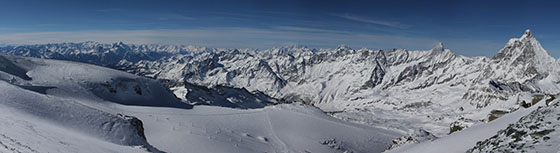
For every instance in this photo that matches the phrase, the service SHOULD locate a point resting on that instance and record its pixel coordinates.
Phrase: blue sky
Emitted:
(471, 28)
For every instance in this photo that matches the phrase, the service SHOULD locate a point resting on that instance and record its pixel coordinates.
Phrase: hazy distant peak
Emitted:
(438, 47)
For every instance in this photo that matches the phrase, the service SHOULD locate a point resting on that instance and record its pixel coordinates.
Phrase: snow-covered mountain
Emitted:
(61, 106)
(427, 94)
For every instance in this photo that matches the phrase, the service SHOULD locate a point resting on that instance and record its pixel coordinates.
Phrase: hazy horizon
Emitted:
(473, 28)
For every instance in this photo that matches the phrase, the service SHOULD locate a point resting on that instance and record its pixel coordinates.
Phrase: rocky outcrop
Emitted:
(135, 122)
(536, 132)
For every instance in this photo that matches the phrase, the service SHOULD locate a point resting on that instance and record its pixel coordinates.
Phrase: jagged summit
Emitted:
(522, 48)
(438, 47)
(524, 58)
(343, 47)
(120, 43)
(527, 34)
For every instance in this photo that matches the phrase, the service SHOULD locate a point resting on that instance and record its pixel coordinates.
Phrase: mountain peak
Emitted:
(526, 51)
(342, 48)
(438, 47)
(527, 34)
(525, 45)
(120, 44)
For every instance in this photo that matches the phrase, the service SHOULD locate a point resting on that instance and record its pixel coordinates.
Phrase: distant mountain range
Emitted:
(426, 94)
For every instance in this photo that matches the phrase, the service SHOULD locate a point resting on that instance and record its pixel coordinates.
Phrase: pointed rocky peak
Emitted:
(120, 44)
(342, 47)
(440, 53)
(521, 49)
(235, 51)
(527, 34)
(439, 47)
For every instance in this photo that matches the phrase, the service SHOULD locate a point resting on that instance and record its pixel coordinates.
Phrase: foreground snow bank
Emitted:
(24, 133)
(280, 128)
(69, 115)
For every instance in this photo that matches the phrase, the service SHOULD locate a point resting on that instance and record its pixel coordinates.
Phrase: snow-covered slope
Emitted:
(427, 94)
(407, 90)
(280, 128)
(61, 106)
(24, 133)
(535, 132)
(461, 141)
(44, 100)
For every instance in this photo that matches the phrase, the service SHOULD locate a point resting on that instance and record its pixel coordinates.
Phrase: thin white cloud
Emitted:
(108, 10)
(371, 21)
(8, 28)
(175, 17)
(305, 29)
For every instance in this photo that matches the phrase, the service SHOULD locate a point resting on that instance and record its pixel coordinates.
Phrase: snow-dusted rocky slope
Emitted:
(434, 91)
(535, 132)
(61, 106)
(463, 140)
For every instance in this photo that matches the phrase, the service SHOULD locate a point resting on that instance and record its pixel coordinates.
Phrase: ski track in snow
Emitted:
(12, 145)
(283, 146)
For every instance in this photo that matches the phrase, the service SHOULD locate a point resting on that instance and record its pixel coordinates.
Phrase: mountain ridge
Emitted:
(62, 106)
(343, 79)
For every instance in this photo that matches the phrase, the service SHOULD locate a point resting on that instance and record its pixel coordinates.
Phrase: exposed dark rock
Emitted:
(137, 123)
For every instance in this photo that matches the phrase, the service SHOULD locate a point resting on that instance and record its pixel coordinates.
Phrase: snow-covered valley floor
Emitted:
(60, 106)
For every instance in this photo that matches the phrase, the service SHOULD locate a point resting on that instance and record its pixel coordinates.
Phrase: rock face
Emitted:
(138, 91)
(375, 87)
(536, 132)
(137, 123)
(225, 97)
(526, 58)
